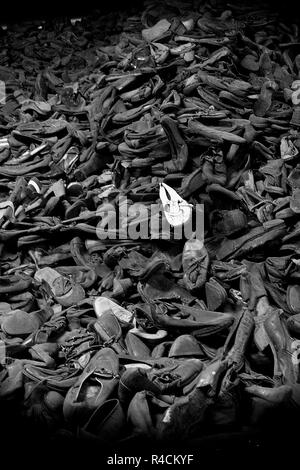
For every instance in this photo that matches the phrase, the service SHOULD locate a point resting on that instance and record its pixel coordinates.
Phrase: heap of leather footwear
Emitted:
(150, 221)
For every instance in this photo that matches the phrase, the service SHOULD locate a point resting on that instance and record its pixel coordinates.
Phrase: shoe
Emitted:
(165, 381)
(60, 287)
(159, 287)
(135, 346)
(103, 305)
(281, 345)
(80, 256)
(155, 337)
(93, 165)
(22, 324)
(227, 271)
(157, 31)
(47, 353)
(288, 150)
(94, 386)
(79, 275)
(264, 101)
(256, 238)
(12, 381)
(215, 293)
(185, 419)
(192, 183)
(138, 266)
(292, 297)
(186, 346)
(191, 319)
(227, 223)
(214, 170)
(109, 332)
(179, 149)
(195, 262)
(177, 211)
(214, 134)
(60, 379)
(295, 201)
(51, 328)
(276, 395)
(295, 120)
(14, 284)
(144, 413)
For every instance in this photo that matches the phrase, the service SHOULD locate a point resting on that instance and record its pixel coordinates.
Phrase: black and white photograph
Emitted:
(149, 234)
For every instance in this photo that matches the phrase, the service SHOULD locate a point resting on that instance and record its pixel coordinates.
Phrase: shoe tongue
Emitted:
(20, 323)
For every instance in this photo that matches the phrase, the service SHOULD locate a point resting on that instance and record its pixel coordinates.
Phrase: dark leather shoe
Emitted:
(215, 293)
(293, 325)
(167, 380)
(179, 149)
(281, 345)
(256, 238)
(60, 379)
(187, 319)
(195, 262)
(21, 324)
(186, 418)
(293, 300)
(159, 287)
(145, 411)
(93, 165)
(276, 395)
(186, 346)
(94, 386)
(136, 347)
(132, 381)
(109, 332)
(14, 284)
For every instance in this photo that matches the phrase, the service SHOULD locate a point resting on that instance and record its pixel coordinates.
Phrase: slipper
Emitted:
(60, 379)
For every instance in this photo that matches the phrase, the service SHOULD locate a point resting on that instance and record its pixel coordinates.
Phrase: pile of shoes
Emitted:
(150, 114)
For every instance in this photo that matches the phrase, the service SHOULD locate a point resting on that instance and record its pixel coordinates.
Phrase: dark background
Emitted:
(13, 11)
